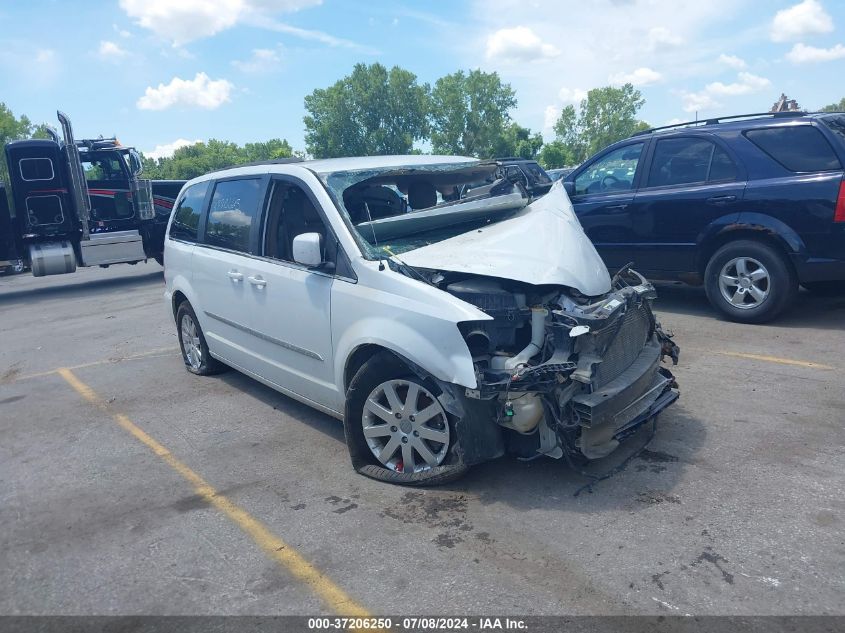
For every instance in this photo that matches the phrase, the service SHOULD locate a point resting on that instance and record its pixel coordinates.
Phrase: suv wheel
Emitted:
(192, 343)
(396, 429)
(749, 282)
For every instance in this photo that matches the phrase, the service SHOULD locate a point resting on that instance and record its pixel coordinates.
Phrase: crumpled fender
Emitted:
(416, 321)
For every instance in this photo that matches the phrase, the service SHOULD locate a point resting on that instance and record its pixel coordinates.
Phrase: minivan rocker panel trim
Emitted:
(267, 337)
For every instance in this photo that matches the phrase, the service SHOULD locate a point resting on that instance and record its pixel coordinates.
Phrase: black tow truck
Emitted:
(80, 203)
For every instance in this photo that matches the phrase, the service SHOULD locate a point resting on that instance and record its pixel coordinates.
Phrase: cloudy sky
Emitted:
(159, 73)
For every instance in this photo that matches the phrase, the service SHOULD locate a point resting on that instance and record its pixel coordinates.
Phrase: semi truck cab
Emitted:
(79, 203)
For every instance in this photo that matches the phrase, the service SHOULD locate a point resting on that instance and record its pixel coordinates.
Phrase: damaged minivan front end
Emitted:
(567, 375)
(567, 362)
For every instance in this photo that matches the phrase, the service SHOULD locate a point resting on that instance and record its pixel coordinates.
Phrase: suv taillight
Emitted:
(839, 214)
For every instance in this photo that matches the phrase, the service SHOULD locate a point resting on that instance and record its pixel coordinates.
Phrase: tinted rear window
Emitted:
(798, 148)
(688, 160)
(232, 213)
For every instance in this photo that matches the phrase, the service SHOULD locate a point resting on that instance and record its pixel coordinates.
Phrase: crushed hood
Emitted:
(544, 244)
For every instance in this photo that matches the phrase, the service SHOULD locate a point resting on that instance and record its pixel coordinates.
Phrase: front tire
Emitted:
(396, 429)
(192, 343)
(749, 281)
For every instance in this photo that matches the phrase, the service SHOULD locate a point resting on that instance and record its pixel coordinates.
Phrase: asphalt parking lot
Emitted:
(128, 486)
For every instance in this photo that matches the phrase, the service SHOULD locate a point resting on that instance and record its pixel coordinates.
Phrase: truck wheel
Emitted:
(749, 282)
(826, 288)
(192, 343)
(397, 431)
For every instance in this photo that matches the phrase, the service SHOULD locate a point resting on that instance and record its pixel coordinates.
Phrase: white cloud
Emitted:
(122, 32)
(698, 101)
(199, 92)
(518, 44)
(803, 54)
(733, 61)
(184, 21)
(263, 60)
(800, 20)
(707, 99)
(640, 77)
(110, 51)
(572, 95)
(166, 150)
(747, 84)
(263, 21)
(660, 37)
(593, 49)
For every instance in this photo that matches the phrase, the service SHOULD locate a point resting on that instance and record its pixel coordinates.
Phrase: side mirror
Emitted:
(308, 249)
(569, 186)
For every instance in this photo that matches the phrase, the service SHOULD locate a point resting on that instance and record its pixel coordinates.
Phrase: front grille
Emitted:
(626, 345)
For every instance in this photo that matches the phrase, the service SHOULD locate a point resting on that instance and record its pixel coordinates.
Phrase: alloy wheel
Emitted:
(744, 283)
(405, 426)
(191, 342)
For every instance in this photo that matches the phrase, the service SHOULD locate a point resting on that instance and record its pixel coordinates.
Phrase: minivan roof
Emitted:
(330, 165)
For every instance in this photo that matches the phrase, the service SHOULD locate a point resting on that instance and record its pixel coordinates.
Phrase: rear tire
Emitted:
(369, 383)
(749, 281)
(192, 343)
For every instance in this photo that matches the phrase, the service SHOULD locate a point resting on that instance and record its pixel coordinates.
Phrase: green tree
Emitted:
(607, 115)
(194, 160)
(516, 140)
(470, 113)
(556, 154)
(835, 107)
(370, 112)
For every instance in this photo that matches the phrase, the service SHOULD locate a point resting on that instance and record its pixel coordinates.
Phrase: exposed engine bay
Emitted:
(568, 375)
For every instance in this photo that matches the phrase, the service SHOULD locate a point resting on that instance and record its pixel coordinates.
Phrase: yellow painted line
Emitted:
(775, 359)
(159, 352)
(335, 598)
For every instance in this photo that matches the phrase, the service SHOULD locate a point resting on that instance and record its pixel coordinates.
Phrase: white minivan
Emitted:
(430, 302)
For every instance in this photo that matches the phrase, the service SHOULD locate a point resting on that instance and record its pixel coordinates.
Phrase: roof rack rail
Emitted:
(722, 119)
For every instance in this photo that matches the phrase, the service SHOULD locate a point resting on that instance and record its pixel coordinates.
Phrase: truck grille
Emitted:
(625, 348)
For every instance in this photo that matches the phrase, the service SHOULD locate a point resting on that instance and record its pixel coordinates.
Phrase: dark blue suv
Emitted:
(749, 206)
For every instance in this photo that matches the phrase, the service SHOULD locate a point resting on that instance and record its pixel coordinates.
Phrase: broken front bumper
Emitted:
(614, 411)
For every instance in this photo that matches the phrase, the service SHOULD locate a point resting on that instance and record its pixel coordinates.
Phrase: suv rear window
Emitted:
(797, 147)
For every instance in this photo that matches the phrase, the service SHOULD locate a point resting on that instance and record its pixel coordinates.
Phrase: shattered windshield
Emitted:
(398, 209)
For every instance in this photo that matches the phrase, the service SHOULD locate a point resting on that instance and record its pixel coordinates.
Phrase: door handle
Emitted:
(616, 207)
(235, 276)
(721, 200)
(257, 281)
